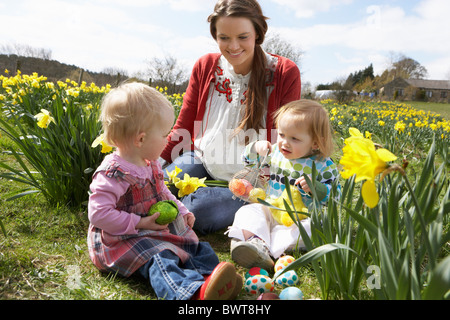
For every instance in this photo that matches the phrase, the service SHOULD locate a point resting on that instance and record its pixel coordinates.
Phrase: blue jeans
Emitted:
(214, 207)
(172, 280)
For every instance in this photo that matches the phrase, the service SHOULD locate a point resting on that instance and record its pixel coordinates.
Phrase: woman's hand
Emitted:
(261, 147)
(149, 223)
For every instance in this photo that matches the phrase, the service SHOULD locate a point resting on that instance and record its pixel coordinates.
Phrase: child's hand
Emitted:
(149, 223)
(303, 184)
(261, 147)
(189, 219)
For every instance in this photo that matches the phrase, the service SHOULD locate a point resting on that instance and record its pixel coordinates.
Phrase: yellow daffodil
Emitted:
(361, 158)
(35, 84)
(44, 119)
(105, 147)
(173, 175)
(189, 185)
(400, 126)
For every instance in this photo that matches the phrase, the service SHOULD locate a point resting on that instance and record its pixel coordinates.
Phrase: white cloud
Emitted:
(433, 9)
(352, 59)
(309, 8)
(439, 68)
(191, 5)
(126, 33)
(88, 35)
(192, 46)
(134, 3)
(385, 29)
(400, 32)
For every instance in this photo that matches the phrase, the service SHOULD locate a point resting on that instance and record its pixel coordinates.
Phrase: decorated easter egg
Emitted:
(258, 284)
(291, 293)
(254, 271)
(237, 187)
(240, 187)
(283, 262)
(255, 194)
(268, 296)
(167, 209)
(287, 279)
(248, 187)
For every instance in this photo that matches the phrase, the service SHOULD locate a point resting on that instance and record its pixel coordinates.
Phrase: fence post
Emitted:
(81, 76)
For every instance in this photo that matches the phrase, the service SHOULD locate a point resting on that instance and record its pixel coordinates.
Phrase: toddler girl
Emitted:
(304, 138)
(122, 238)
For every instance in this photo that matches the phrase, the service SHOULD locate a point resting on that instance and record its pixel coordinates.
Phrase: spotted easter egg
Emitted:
(258, 284)
(287, 279)
(268, 296)
(291, 293)
(283, 262)
(254, 271)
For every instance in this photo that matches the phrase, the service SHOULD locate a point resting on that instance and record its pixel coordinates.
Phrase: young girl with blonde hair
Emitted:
(304, 138)
(122, 237)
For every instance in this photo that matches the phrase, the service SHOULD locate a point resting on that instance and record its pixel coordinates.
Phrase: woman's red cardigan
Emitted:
(287, 87)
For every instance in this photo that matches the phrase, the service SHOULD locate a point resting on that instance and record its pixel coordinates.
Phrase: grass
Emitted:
(44, 254)
(441, 108)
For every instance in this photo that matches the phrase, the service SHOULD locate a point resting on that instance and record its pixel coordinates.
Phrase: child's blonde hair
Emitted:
(313, 115)
(129, 110)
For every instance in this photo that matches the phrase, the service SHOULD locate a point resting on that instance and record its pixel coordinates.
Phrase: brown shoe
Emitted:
(220, 284)
(237, 287)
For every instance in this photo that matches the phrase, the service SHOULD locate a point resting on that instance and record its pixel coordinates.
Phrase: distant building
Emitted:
(417, 89)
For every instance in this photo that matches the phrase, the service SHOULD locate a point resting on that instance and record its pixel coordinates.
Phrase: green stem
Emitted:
(419, 214)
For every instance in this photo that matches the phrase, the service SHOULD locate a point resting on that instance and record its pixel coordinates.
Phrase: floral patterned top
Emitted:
(215, 144)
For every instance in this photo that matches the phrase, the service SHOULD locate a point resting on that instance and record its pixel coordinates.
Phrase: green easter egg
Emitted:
(168, 210)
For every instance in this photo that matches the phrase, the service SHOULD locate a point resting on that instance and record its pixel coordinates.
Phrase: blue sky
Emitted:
(336, 36)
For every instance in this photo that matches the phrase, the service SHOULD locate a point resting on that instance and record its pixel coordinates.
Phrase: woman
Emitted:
(230, 101)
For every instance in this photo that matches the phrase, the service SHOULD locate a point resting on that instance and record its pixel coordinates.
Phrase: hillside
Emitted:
(54, 70)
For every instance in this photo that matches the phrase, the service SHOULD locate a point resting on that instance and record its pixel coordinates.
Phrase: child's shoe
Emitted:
(237, 287)
(251, 253)
(221, 284)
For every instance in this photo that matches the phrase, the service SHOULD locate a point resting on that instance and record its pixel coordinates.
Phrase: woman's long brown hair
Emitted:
(256, 94)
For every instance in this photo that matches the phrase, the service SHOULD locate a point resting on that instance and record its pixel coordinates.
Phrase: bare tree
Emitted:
(405, 67)
(275, 44)
(112, 71)
(25, 50)
(167, 72)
